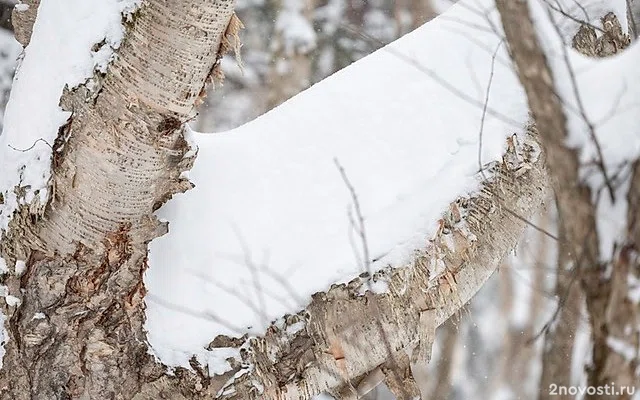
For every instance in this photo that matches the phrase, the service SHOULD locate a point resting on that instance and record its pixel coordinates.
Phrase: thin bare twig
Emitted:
(359, 225)
(32, 146)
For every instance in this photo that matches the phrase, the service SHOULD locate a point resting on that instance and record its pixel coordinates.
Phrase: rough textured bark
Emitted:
(347, 335)
(78, 330)
(609, 309)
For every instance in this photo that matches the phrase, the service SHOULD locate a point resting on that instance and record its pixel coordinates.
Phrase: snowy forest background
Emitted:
(494, 347)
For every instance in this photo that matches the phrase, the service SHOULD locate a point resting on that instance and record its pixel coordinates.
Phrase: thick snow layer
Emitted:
(60, 53)
(267, 224)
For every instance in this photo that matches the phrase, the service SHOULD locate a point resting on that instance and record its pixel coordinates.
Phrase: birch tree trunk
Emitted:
(77, 332)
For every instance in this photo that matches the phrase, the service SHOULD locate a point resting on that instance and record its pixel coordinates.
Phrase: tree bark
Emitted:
(560, 336)
(22, 20)
(347, 335)
(78, 330)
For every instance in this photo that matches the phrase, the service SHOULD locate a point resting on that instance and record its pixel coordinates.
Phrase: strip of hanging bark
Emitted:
(22, 19)
(607, 303)
(77, 330)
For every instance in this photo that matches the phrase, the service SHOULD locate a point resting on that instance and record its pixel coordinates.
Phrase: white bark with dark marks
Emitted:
(78, 332)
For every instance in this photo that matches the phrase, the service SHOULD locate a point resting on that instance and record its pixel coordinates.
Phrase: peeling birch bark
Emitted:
(343, 341)
(78, 332)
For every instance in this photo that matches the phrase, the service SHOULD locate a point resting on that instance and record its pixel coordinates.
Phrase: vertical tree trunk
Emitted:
(77, 331)
(291, 65)
(612, 316)
(444, 381)
(560, 336)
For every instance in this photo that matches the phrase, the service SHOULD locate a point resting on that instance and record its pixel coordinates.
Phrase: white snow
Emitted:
(12, 301)
(267, 224)
(39, 315)
(20, 267)
(59, 55)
